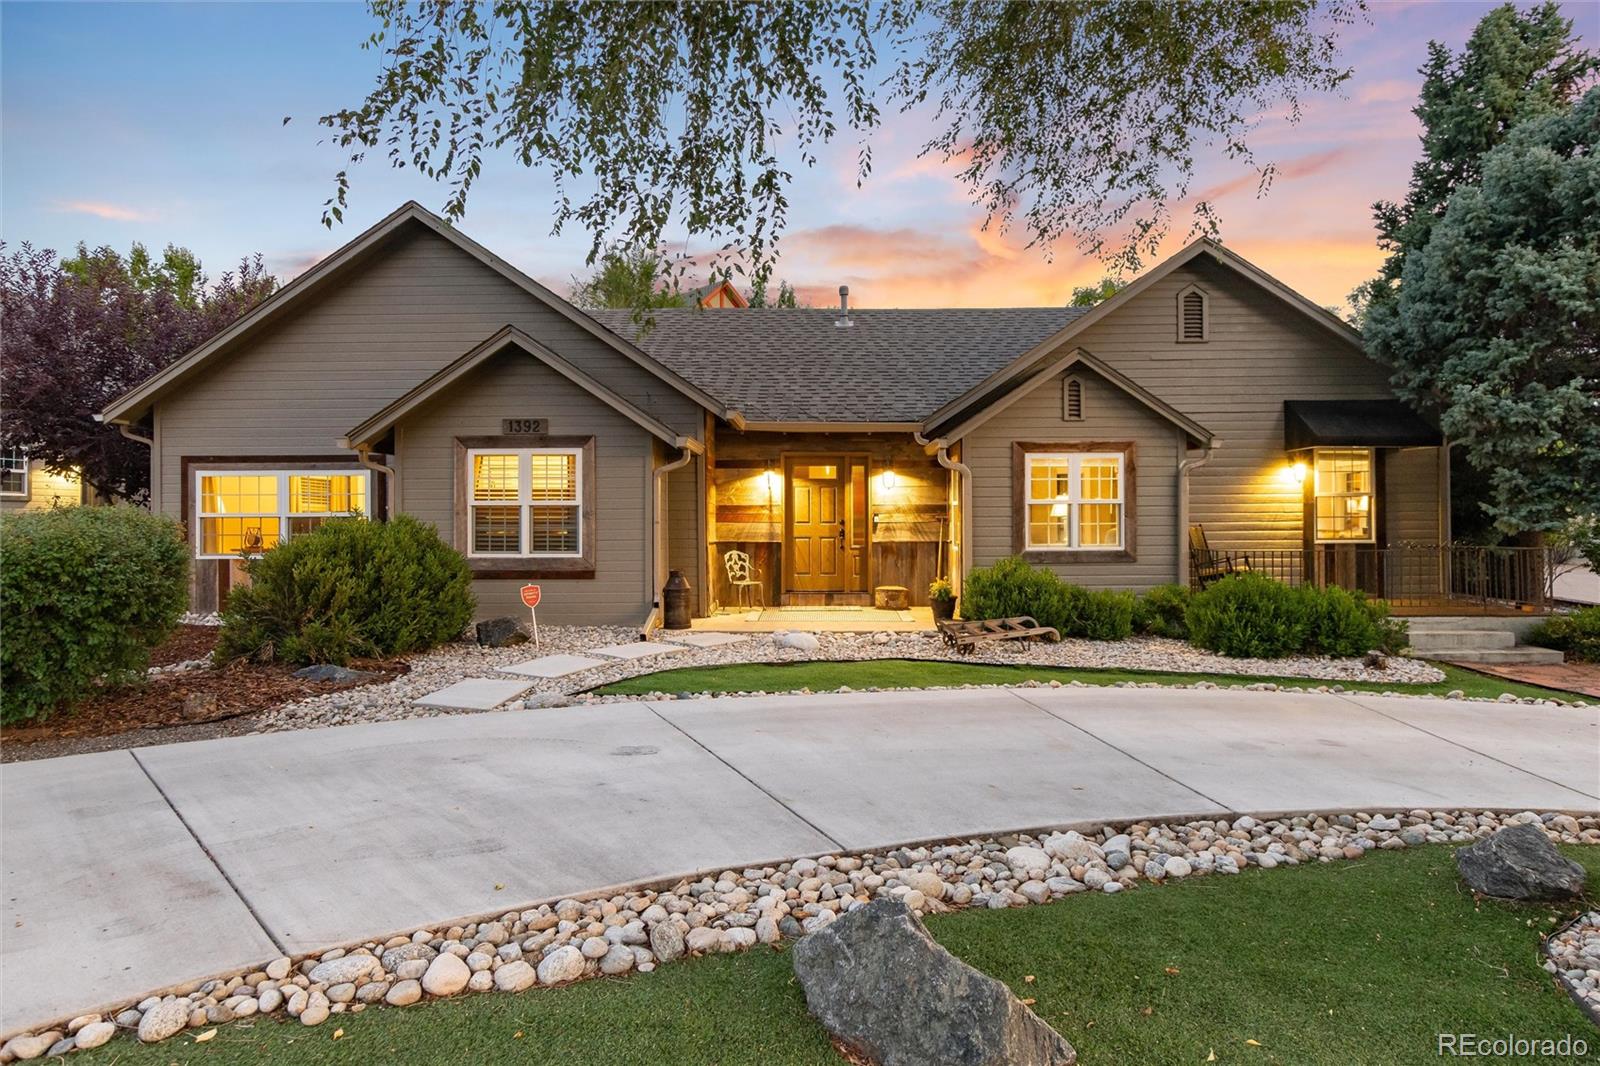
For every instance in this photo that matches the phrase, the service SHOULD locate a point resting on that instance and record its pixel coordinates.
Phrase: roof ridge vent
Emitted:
(843, 321)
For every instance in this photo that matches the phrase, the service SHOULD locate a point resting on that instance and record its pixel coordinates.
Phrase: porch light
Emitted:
(1294, 475)
(888, 476)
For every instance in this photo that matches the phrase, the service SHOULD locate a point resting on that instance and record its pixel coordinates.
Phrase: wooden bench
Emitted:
(965, 636)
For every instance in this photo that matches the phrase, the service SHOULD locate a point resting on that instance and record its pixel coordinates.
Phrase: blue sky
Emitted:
(162, 123)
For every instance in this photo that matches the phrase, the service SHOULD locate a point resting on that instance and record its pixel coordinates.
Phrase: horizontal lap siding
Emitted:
(413, 306)
(1261, 352)
(1109, 415)
(508, 385)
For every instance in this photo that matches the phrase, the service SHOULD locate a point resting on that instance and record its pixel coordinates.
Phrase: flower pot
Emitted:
(943, 610)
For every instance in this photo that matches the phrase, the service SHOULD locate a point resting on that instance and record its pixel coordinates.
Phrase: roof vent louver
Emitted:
(1072, 400)
(1194, 319)
(843, 321)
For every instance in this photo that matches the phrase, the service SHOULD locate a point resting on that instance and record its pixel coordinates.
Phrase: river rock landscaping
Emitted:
(635, 931)
(1573, 955)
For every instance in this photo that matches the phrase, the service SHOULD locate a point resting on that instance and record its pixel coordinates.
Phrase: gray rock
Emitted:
(94, 1034)
(341, 675)
(515, 976)
(666, 941)
(1519, 862)
(163, 1020)
(798, 641)
(393, 957)
(563, 964)
(878, 982)
(341, 971)
(501, 633)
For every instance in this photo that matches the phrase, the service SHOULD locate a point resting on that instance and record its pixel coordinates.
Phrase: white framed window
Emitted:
(246, 511)
(1074, 501)
(13, 473)
(1342, 485)
(524, 502)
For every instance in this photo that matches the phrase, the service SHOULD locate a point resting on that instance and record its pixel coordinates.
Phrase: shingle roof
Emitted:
(796, 365)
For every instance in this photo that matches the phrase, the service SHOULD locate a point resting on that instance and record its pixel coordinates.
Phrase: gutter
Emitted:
(1186, 464)
(689, 448)
(127, 431)
(391, 479)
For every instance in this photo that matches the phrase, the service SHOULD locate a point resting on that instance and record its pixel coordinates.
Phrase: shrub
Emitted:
(1340, 622)
(941, 589)
(1011, 587)
(85, 592)
(1159, 612)
(1577, 634)
(348, 588)
(1248, 616)
(1098, 614)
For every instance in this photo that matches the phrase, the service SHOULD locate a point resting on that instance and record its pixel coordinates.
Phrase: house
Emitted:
(840, 450)
(26, 485)
(717, 294)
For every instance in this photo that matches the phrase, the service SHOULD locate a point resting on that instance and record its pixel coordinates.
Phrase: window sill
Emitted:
(522, 566)
(1078, 555)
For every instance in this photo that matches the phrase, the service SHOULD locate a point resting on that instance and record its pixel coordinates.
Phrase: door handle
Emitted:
(841, 532)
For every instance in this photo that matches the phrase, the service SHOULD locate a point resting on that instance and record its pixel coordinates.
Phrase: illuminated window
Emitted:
(245, 512)
(1075, 501)
(525, 502)
(1344, 495)
(13, 472)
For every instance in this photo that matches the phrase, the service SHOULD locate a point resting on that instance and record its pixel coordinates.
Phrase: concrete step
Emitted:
(1446, 640)
(1520, 654)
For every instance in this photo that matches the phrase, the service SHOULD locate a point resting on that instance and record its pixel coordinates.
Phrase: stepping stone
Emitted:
(639, 649)
(475, 694)
(553, 666)
(706, 640)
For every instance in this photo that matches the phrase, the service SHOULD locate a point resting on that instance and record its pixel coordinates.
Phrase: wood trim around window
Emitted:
(1019, 502)
(576, 566)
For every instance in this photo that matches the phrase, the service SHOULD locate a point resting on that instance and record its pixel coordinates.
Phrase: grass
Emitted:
(1344, 962)
(907, 673)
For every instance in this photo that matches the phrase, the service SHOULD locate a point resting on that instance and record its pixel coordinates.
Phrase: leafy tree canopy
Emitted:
(627, 278)
(1495, 323)
(80, 333)
(1089, 295)
(786, 295)
(1069, 120)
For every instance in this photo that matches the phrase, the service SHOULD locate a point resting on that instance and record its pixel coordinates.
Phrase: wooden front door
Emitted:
(816, 556)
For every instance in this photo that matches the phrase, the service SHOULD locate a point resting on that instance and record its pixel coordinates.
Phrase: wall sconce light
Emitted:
(772, 479)
(1294, 475)
(888, 475)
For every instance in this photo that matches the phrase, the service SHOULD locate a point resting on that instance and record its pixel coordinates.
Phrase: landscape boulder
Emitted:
(340, 675)
(877, 981)
(501, 633)
(1519, 862)
(798, 641)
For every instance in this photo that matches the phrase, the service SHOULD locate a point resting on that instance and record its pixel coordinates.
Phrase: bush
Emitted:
(1159, 612)
(349, 588)
(1011, 587)
(1248, 616)
(85, 592)
(1253, 616)
(1577, 634)
(1098, 614)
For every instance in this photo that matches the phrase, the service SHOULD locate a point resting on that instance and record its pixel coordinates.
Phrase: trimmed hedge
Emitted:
(85, 592)
(1011, 587)
(1159, 612)
(349, 588)
(1577, 634)
(1251, 616)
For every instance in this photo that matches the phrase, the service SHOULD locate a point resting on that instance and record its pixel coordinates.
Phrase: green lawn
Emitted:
(1346, 962)
(906, 673)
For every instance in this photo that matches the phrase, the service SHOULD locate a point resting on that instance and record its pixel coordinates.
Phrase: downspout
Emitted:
(391, 480)
(127, 431)
(653, 571)
(963, 495)
(1186, 464)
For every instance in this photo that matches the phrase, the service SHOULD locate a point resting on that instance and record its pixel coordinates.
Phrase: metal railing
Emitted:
(1469, 578)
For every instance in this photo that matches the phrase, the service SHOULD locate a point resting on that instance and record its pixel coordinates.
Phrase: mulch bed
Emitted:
(184, 698)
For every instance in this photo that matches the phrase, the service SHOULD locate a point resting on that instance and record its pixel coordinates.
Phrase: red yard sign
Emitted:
(530, 596)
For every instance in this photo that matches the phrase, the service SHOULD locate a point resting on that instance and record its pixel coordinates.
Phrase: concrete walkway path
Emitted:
(126, 871)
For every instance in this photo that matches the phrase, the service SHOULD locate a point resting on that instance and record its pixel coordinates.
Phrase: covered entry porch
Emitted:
(852, 526)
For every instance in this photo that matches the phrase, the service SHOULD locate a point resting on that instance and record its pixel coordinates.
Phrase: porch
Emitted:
(836, 619)
(1416, 579)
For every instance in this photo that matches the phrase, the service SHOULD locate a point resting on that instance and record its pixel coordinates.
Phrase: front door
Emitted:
(817, 556)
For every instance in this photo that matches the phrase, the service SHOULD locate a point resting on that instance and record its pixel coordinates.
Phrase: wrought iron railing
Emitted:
(1467, 577)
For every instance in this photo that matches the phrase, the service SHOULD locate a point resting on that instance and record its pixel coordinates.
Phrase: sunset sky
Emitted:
(162, 123)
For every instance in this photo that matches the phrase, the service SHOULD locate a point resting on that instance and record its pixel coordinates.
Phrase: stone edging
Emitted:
(1567, 944)
(629, 928)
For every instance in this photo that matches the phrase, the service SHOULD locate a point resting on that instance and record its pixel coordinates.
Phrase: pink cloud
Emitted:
(102, 209)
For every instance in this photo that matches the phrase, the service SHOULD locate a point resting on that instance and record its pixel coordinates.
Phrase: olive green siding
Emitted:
(1109, 415)
(686, 528)
(505, 385)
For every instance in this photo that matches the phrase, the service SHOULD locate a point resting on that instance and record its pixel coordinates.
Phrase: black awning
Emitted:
(1354, 423)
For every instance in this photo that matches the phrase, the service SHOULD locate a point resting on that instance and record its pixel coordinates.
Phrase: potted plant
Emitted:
(943, 598)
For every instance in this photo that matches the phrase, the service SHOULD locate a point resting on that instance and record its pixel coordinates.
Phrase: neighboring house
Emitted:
(717, 294)
(25, 484)
(415, 371)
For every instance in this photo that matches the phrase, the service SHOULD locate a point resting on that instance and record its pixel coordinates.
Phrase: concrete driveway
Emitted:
(126, 871)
